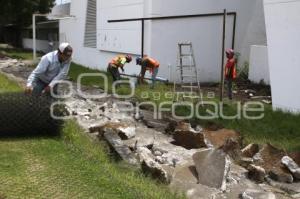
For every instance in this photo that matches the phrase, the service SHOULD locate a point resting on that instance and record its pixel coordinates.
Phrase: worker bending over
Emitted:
(230, 70)
(53, 67)
(116, 63)
(150, 64)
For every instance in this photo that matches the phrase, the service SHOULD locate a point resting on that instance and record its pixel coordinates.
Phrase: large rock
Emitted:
(185, 180)
(188, 137)
(232, 148)
(256, 173)
(257, 194)
(271, 162)
(292, 166)
(212, 167)
(250, 150)
(218, 138)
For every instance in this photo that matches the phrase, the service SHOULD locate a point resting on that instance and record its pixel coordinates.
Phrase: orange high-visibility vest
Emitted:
(230, 69)
(152, 64)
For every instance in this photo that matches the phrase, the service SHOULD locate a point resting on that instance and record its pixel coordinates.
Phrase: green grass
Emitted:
(278, 128)
(19, 53)
(7, 85)
(68, 166)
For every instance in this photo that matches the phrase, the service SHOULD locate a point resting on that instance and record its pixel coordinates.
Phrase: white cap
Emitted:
(63, 46)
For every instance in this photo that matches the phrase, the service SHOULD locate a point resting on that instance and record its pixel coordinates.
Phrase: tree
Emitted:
(18, 13)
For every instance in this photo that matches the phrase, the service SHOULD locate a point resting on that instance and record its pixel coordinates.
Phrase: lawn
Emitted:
(276, 127)
(67, 166)
(16, 53)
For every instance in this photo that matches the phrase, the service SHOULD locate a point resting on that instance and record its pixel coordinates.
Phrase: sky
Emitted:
(61, 1)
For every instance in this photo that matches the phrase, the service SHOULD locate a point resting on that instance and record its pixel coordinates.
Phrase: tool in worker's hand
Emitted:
(161, 79)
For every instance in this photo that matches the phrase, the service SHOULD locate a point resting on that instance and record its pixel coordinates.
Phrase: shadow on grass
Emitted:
(27, 116)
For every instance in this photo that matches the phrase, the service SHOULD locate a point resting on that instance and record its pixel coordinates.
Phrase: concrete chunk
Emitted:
(257, 194)
(188, 137)
(212, 167)
(292, 166)
(124, 152)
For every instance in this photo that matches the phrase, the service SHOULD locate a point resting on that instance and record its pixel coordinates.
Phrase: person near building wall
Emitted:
(230, 71)
(150, 64)
(116, 63)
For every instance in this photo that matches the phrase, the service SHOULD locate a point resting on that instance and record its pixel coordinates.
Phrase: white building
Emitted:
(96, 41)
(47, 32)
(283, 30)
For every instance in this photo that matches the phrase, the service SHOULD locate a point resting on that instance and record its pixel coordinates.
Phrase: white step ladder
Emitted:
(188, 74)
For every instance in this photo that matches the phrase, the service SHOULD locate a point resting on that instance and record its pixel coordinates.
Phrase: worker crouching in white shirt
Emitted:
(53, 67)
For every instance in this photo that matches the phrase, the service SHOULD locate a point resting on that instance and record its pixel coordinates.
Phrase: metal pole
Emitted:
(171, 17)
(233, 31)
(223, 49)
(143, 35)
(34, 37)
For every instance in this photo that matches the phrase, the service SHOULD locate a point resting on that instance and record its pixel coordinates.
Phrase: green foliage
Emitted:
(8, 86)
(243, 72)
(19, 12)
(17, 53)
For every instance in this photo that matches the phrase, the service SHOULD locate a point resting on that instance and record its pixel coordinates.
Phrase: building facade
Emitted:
(96, 41)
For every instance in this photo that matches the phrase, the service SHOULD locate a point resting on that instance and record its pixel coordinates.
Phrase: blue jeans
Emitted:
(39, 86)
(229, 87)
(155, 71)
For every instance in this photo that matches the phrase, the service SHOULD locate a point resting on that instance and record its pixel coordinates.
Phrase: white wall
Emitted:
(283, 30)
(119, 37)
(205, 33)
(72, 30)
(41, 45)
(161, 37)
(259, 65)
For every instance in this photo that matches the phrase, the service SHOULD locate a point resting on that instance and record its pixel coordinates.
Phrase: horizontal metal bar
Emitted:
(171, 17)
(145, 78)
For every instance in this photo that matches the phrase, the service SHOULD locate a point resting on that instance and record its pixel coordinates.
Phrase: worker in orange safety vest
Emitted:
(116, 63)
(230, 70)
(150, 64)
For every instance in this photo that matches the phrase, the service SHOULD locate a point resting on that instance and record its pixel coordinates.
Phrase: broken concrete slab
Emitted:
(257, 194)
(173, 155)
(188, 137)
(292, 166)
(219, 137)
(149, 119)
(123, 130)
(123, 151)
(281, 176)
(212, 167)
(146, 137)
(290, 188)
(250, 150)
(127, 133)
(150, 166)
